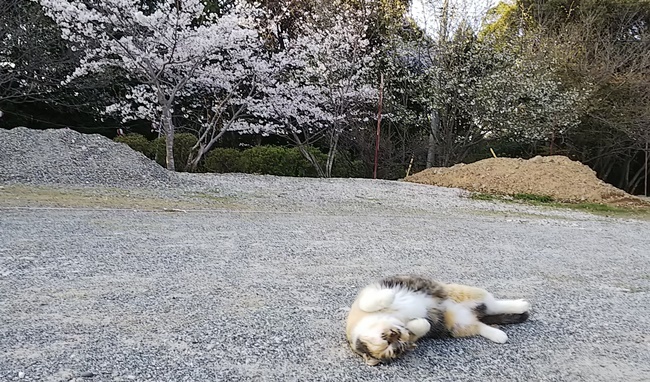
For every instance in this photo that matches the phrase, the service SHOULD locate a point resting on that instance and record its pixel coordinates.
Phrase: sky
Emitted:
(426, 12)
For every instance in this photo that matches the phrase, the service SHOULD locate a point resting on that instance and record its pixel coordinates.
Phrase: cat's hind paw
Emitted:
(509, 307)
(493, 334)
(520, 306)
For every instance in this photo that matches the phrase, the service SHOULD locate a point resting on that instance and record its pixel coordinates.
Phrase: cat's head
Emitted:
(380, 338)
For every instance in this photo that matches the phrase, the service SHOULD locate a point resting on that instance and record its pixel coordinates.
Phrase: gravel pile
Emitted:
(66, 157)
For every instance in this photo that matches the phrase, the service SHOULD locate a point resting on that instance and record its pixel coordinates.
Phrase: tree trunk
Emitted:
(202, 146)
(378, 134)
(312, 160)
(625, 181)
(306, 154)
(635, 181)
(196, 154)
(331, 153)
(168, 126)
(607, 169)
(431, 151)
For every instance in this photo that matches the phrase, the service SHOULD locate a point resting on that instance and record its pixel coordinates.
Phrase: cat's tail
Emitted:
(503, 319)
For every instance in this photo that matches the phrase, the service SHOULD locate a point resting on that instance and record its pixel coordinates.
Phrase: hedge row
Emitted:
(156, 150)
(272, 160)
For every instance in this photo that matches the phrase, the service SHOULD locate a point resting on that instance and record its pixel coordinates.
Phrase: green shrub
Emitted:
(272, 160)
(277, 160)
(223, 160)
(137, 142)
(302, 166)
(346, 167)
(183, 143)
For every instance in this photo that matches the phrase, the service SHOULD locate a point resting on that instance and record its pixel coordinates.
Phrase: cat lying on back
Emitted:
(389, 316)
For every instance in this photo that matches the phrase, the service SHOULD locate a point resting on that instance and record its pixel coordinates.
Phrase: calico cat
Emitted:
(389, 316)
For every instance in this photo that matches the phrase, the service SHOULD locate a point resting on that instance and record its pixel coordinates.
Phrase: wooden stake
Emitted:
(408, 171)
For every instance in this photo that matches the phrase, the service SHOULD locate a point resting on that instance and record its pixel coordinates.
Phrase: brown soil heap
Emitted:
(555, 176)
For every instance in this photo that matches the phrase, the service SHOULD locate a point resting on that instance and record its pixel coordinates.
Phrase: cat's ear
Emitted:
(370, 361)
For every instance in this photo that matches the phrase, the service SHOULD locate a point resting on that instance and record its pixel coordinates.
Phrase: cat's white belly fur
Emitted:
(408, 305)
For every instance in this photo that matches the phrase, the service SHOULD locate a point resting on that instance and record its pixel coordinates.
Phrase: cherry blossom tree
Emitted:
(318, 84)
(220, 91)
(168, 50)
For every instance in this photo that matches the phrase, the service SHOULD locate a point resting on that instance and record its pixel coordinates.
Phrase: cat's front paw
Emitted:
(419, 327)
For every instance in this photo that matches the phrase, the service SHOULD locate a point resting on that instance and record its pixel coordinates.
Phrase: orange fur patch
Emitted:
(461, 293)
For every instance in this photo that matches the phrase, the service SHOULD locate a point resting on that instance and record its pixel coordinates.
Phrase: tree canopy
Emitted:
(534, 77)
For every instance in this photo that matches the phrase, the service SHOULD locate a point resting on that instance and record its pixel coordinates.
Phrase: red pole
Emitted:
(381, 96)
(645, 189)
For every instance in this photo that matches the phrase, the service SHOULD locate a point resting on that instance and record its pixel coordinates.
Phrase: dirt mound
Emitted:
(64, 156)
(555, 176)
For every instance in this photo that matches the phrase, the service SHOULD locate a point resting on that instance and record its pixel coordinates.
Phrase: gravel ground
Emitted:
(134, 274)
(260, 291)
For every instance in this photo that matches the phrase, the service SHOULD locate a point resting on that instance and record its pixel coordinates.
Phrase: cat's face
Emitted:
(380, 340)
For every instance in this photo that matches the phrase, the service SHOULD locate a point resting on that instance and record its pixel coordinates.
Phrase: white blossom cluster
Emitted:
(214, 73)
(502, 95)
(167, 51)
(320, 78)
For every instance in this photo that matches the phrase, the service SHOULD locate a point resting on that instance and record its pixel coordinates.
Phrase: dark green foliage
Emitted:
(481, 196)
(183, 143)
(272, 160)
(509, 148)
(276, 160)
(137, 142)
(347, 167)
(223, 160)
(595, 208)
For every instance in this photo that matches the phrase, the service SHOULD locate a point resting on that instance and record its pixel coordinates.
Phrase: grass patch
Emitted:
(481, 196)
(38, 196)
(533, 198)
(547, 201)
(210, 197)
(601, 208)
